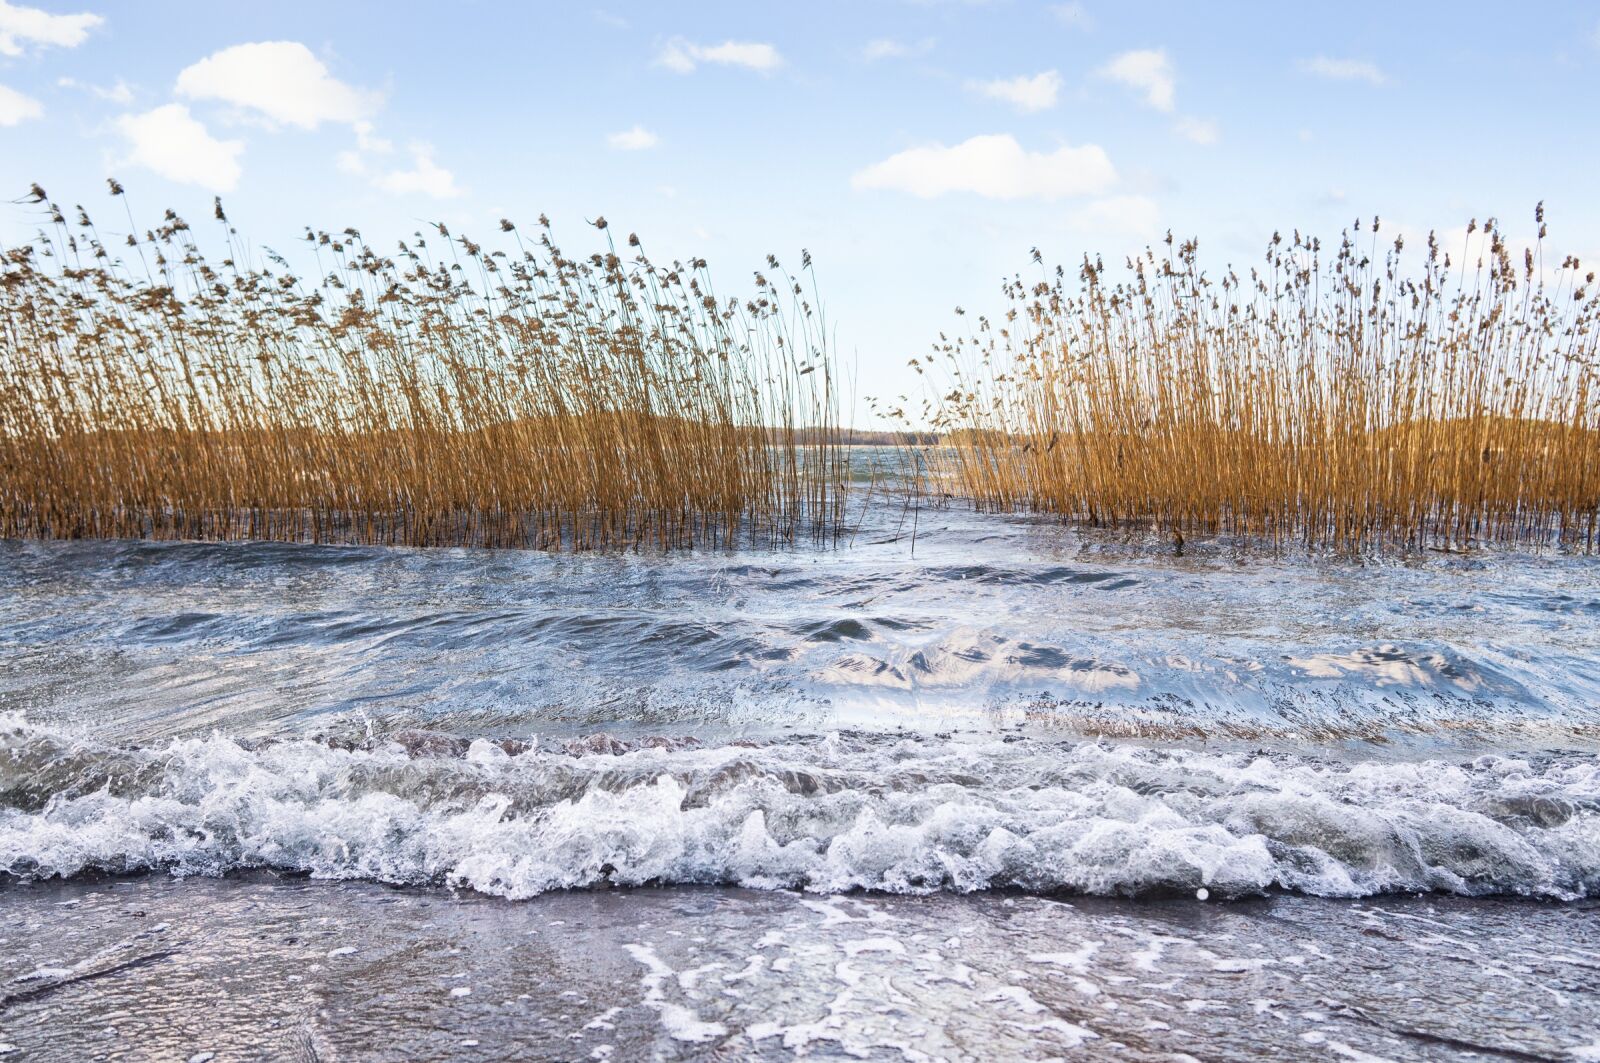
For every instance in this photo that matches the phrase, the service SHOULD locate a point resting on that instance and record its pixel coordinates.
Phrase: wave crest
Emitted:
(831, 814)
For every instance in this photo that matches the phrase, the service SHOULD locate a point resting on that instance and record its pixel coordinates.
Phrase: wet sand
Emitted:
(262, 967)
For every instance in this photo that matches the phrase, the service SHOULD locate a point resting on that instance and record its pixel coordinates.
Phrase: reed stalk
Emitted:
(442, 395)
(1330, 397)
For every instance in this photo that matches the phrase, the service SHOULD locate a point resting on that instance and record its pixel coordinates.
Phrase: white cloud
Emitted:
(280, 79)
(1344, 69)
(888, 48)
(1120, 216)
(354, 161)
(15, 108)
(683, 56)
(171, 142)
(636, 139)
(118, 93)
(1073, 16)
(1037, 93)
(20, 26)
(677, 58)
(425, 177)
(366, 140)
(995, 167)
(1198, 130)
(1148, 71)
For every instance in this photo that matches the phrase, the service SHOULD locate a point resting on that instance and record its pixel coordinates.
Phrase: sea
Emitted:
(949, 785)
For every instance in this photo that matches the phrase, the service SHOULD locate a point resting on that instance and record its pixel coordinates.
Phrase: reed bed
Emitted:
(1328, 397)
(446, 394)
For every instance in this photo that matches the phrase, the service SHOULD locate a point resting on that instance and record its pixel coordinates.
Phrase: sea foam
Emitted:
(829, 814)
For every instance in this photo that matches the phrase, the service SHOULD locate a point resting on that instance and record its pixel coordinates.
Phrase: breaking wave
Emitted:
(833, 813)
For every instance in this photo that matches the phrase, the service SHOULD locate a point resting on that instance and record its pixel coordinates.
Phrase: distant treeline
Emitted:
(860, 437)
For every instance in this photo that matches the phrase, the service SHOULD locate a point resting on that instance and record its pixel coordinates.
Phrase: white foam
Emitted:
(1071, 1034)
(875, 944)
(1017, 997)
(681, 1023)
(603, 1021)
(913, 815)
(1076, 960)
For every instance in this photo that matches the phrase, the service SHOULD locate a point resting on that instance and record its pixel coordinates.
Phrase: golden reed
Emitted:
(442, 395)
(1328, 398)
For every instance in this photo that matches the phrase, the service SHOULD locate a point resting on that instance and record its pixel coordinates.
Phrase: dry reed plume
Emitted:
(447, 395)
(1330, 399)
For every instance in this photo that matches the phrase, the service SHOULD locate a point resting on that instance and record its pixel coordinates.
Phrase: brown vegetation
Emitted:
(1327, 398)
(446, 395)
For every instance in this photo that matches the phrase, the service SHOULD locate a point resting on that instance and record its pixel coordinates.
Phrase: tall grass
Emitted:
(442, 394)
(1328, 397)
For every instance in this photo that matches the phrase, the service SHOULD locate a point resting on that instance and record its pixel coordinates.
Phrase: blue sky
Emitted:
(919, 150)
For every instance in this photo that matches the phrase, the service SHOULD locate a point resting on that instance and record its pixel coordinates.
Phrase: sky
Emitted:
(918, 149)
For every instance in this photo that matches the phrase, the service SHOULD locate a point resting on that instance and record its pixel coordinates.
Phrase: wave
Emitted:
(153, 640)
(833, 813)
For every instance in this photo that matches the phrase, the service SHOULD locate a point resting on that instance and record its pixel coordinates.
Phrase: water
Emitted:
(1006, 791)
